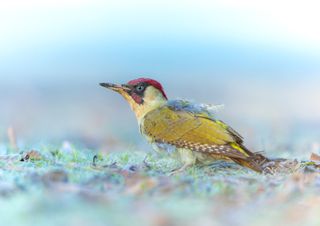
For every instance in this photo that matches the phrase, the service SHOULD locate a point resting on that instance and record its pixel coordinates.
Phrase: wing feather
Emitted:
(193, 131)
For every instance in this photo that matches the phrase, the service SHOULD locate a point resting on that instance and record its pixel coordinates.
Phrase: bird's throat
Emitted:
(143, 109)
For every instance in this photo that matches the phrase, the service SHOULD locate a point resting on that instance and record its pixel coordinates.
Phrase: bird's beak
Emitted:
(115, 87)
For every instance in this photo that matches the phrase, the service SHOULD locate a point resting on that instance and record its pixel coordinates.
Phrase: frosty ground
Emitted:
(77, 186)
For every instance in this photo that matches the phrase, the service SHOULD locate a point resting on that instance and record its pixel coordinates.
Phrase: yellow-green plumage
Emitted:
(189, 128)
(199, 133)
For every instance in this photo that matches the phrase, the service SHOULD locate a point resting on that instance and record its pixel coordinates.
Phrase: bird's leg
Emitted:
(180, 169)
(187, 158)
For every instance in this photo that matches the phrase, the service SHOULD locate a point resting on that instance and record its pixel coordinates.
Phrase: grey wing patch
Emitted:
(189, 106)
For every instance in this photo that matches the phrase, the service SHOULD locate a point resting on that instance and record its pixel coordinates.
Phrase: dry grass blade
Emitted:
(12, 138)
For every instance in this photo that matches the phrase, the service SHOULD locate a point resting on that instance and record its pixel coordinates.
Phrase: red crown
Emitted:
(149, 81)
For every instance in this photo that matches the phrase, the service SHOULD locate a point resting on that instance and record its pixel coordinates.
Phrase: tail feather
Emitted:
(255, 160)
(249, 163)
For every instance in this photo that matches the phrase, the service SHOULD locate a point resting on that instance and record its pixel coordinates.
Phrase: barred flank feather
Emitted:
(253, 161)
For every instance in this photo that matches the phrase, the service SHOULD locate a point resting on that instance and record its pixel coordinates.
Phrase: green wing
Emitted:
(193, 131)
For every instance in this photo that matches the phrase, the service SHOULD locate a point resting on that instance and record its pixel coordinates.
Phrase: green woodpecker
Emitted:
(188, 129)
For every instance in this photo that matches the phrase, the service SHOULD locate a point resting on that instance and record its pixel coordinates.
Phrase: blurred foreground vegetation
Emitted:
(71, 185)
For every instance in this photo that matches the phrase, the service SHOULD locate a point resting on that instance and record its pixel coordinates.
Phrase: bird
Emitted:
(189, 130)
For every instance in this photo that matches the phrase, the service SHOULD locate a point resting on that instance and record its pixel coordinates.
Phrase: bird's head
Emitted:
(143, 94)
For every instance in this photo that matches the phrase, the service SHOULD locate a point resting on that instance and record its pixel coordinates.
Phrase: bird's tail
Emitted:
(258, 162)
(255, 160)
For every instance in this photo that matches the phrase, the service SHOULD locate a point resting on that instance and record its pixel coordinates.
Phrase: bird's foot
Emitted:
(179, 170)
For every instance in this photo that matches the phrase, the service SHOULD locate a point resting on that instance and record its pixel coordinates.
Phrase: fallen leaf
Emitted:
(31, 156)
(314, 157)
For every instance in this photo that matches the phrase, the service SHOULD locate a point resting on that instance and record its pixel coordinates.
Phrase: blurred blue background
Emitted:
(260, 59)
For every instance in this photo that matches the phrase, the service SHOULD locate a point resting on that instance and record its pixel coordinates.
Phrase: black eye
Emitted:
(140, 88)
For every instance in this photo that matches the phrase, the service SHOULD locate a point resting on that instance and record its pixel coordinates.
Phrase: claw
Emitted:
(179, 170)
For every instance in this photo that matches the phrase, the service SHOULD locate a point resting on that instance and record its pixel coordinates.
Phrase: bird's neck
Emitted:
(143, 109)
